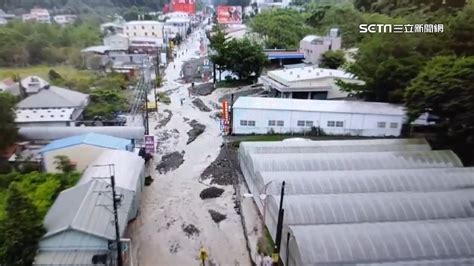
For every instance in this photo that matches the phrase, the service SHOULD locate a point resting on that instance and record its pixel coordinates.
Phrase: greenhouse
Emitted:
(364, 181)
(297, 145)
(348, 161)
(389, 242)
(363, 201)
(369, 207)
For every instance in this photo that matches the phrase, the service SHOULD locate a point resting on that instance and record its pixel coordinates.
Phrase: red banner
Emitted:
(225, 112)
(229, 14)
(188, 6)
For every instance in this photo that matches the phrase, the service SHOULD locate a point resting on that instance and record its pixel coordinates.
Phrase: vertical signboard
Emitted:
(188, 6)
(225, 116)
(229, 14)
(149, 144)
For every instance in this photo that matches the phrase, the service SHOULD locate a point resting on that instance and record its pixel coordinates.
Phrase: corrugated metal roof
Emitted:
(54, 133)
(90, 139)
(87, 208)
(128, 169)
(54, 97)
(382, 242)
(333, 106)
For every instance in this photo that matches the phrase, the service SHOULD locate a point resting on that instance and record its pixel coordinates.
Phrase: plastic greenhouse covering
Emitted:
(378, 242)
(308, 146)
(369, 207)
(351, 161)
(364, 181)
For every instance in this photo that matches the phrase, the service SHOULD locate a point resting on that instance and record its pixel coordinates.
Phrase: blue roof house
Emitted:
(82, 150)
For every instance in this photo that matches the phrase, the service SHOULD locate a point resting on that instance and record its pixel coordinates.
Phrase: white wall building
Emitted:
(65, 19)
(116, 42)
(265, 115)
(306, 83)
(313, 46)
(176, 25)
(144, 28)
(37, 14)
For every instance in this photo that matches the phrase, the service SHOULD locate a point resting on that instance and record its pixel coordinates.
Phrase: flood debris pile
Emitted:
(202, 89)
(170, 161)
(211, 192)
(190, 230)
(200, 105)
(196, 130)
(220, 171)
(216, 216)
(164, 118)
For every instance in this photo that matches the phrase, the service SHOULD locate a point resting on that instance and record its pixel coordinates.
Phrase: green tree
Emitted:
(245, 58)
(8, 130)
(461, 31)
(445, 88)
(332, 59)
(281, 28)
(21, 229)
(105, 103)
(64, 164)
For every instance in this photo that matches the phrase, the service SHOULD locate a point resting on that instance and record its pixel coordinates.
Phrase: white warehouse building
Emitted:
(308, 82)
(256, 115)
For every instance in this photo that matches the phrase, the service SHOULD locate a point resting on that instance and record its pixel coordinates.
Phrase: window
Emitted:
(271, 123)
(143, 27)
(243, 122)
(146, 33)
(381, 124)
(331, 123)
(280, 123)
(339, 124)
(134, 34)
(251, 123)
(309, 123)
(393, 125)
(300, 123)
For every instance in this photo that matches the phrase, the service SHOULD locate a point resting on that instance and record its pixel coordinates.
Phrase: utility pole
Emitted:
(281, 212)
(117, 229)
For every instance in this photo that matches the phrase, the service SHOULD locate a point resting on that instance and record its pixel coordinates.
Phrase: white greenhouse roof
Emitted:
(381, 242)
(308, 73)
(333, 106)
(366, 181)
(44, 115)
(128, 169)
(351, 161)
(309, 146)
(371, 207)
(66, 257)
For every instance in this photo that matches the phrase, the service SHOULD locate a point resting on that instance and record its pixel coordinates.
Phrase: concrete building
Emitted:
(115, 27)
(49, 105)
(144, 28)
(38, 15)
(313, 46)
(148, 45)
(177, 25)
(65, 19)
(116, 42)
(82, 150)
(80, 226)
(306, 83)
(265, 115)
